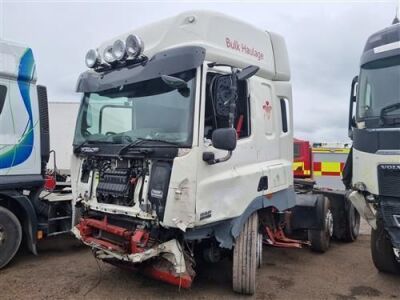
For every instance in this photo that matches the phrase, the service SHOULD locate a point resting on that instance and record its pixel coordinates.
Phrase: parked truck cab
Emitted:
(24, 147)
(184, 141)
(24, 153)
(374, 164)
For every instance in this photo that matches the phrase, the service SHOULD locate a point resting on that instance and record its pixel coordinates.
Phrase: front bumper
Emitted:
(121, 246)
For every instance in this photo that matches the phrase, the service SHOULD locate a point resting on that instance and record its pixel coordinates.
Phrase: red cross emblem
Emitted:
(267, 107)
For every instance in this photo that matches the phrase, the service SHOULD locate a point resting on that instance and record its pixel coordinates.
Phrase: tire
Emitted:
(320, 239)
(351, 223)
(259, 250)
(245, 258)
(382, 250)
(10, 236)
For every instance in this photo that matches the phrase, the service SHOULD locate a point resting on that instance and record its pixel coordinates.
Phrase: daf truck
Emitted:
(183, 150)
(26, 213)
(373, 168)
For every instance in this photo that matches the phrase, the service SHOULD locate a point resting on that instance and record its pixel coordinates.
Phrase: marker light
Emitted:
(119, 50)
(134, 46)
(108, 55)
(92, 58)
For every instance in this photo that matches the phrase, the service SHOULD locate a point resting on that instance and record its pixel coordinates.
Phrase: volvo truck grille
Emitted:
(389, 180)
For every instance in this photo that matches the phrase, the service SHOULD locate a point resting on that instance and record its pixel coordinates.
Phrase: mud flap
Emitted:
(364, 208)
(308, 212)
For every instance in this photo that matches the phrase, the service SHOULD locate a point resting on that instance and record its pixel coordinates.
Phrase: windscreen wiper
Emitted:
(139, 141)
(387, 109)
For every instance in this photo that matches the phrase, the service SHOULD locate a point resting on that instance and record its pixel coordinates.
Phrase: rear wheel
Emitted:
(245, 258)
(382, 250)
(320, 239)
(10, 236)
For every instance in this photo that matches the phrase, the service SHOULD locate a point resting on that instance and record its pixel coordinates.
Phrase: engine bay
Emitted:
(136, 182)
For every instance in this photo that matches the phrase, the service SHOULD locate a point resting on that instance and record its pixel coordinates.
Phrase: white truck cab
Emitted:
(184, 141)
(24, 153)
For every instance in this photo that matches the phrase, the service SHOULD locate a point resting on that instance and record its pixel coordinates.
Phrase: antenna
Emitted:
(396, 18)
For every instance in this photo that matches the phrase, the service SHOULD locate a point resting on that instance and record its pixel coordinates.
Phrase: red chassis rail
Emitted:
(135, 241)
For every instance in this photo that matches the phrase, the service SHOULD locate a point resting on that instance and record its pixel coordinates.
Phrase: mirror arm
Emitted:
(220, 160)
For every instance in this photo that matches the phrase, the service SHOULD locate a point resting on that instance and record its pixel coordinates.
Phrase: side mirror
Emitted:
(247, 72)
(353, 98)
(224, 139)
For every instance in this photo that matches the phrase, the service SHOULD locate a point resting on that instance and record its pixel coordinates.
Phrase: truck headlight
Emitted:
(92, 58)
(108, 55)
(134, 46)
(119, 50)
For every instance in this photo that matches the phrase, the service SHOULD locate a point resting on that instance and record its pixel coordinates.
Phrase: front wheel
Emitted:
(10, 236)
(320, 239)
(245, 258)
(382, 250)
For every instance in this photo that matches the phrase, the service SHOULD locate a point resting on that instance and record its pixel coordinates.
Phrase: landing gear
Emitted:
(10, 236)
(245, 259)
(382, 250)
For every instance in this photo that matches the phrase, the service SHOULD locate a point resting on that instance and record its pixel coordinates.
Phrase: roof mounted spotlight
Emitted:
(92, 59)
(108, 55)
(119, 50)
(134, 46)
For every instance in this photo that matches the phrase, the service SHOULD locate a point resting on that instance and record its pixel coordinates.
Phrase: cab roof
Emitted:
(226, 40)
(16, 61)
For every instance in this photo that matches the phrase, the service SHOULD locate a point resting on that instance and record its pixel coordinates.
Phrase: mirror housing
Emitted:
(247, 72)
(224, 139)
(353, 98)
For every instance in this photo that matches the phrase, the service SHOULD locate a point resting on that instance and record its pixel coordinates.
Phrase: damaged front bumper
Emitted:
(120, 246)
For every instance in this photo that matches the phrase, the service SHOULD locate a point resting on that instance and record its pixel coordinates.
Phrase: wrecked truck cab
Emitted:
(184, 143)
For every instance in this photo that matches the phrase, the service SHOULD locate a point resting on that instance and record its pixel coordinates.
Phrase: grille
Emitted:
(389, 180)
(390, 207)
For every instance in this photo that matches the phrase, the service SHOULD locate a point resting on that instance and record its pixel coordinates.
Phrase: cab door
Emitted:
(7, 130)
(225, 189)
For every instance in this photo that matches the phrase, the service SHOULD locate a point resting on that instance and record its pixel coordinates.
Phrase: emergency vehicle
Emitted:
(318, 168)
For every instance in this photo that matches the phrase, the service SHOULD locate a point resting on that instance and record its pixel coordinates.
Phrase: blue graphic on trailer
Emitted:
(23, 149)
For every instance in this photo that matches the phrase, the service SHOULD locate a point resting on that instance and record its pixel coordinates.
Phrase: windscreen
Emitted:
(149, 109)
(379, 87)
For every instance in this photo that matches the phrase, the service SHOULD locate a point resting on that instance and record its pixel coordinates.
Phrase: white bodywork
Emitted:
(19, 121)
(368, 172)
(224, 190)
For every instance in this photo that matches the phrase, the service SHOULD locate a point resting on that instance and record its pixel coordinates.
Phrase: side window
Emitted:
(3, 94)
(216, 114)
(285, 114)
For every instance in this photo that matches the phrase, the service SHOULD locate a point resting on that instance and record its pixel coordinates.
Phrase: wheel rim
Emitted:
(2, 235)
(329, 222)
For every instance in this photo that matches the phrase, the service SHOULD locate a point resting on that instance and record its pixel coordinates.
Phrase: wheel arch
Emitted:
(21, 206)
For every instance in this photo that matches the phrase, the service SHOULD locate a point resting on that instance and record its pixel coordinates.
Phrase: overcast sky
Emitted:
(324, 39)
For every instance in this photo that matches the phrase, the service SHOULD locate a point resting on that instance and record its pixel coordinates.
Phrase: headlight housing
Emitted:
(119, 50)
(134, 46)
(108, 55)
(92, 59)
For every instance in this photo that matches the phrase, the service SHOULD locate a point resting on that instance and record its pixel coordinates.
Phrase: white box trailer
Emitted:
(184, 144)
(62, 117)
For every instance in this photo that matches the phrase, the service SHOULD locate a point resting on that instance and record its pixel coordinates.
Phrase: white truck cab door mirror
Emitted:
(224, 139)
(353, 98)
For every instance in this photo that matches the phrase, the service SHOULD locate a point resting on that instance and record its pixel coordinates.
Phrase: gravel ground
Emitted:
(66, 270)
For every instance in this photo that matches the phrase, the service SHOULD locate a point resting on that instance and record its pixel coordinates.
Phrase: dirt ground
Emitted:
(66, 270)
